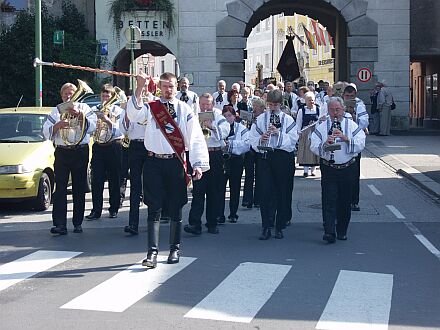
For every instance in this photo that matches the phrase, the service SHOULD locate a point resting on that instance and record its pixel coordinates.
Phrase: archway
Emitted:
(122, 61)
(355, 34)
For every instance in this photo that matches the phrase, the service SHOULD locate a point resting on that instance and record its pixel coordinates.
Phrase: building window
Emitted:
(162, 66)
(176, 68)
(268, 23)
(280, 48)
(250, 64)
(266, 60)
(257, 28)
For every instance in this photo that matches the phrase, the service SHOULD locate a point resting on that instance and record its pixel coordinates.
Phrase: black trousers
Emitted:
(164, 180)
(233, 171)
(336, 190)
(106, 164)
(137, 155)
(70, 162)
(250, 190)
(210, 185)
(125, 154)
(356, 180)
(276, 172)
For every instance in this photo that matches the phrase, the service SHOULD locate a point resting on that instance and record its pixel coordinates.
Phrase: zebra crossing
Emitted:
(359, 300)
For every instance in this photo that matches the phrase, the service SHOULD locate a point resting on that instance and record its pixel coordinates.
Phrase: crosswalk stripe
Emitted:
(30, 265)
(360, 301)
(242, 294)
(113, 296)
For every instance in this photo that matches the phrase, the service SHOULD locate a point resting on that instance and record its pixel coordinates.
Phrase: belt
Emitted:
(338, 166)
(214, 149)
(108, 143)
(73, 147)
(137, 140)
(161, 156)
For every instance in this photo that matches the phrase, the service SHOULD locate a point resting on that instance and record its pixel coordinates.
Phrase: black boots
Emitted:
(153, 244)
(175, 233)
(265, 234)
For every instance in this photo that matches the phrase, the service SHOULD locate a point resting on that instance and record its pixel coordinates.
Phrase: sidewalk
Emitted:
(414, 154)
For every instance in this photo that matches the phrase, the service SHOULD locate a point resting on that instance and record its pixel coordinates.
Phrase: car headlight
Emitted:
(16, 169)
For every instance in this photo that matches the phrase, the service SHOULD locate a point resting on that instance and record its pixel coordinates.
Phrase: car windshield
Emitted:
(21, 127)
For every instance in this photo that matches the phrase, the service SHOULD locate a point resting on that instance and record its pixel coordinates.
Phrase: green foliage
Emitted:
(118, 7)
(17, 75)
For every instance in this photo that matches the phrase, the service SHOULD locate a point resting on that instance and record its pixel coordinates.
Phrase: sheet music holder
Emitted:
(246, 115)
(207, 115)
(63, 107)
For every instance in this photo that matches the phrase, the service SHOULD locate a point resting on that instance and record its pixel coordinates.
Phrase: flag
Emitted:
(329, 38)
(288, 65)
(317, 33)
(310, 39)
(322, 37)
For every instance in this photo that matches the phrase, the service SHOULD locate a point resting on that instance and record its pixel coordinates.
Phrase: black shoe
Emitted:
(131, 229)
(257, 205)
(151, 260)
(192, 230)
(233, 218)
(341, 237)
(355, 207)
(221, 220)
(305, 175)
(279, 234)
(329, 238)
(288, 223)
(77, 229)
(247, 205)
(265, 234)
(121, 203)
(93, 216)
(112, 214)
(58, 230)
(213, 230)
(173, 257)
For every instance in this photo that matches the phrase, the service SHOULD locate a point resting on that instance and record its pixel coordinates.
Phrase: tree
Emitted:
(17, 75)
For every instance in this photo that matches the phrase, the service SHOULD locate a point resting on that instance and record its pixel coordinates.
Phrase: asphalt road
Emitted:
(385, 276)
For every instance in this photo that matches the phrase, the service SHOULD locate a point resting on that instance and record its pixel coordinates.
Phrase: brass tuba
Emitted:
(76, 130)
(103, 132)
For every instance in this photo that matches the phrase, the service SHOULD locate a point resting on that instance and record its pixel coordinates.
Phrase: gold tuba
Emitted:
(76, 130)
(206, 115)
(103, 132)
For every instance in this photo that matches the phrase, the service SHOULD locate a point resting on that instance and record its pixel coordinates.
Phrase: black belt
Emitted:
(338, 166)
(137, 140)
(73, 147)
(108, 143)
(210, 149)
(161, 156)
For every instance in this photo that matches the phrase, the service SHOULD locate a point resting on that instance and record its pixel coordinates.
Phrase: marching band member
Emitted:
(275, 131)
(337, 167)
(360, 115)
(211, 182)
(220, 96)
(236, 145)
(69, 160)
(299, 101)
(187, 96)
(307, 114)
(136, 158)
(171, 127)
(106, 157)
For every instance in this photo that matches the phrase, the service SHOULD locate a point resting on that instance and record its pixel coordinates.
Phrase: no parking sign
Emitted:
(364, 74)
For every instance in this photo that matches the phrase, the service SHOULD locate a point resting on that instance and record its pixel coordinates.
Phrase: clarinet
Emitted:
(335, 125)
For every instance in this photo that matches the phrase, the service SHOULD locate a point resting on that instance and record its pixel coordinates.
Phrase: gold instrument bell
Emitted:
(103, 133)
(76, 129)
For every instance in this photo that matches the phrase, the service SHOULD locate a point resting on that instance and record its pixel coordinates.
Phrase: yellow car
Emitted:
(26, 157)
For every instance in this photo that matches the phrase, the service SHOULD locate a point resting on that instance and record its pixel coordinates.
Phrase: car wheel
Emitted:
(89, 178)
(44, 197)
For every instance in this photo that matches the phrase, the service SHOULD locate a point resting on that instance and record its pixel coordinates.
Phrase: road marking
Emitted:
(358, 301)
(113, 295)
(395, 212)
(422, 239)
(30, 265)
(242, 294)
(374, 190)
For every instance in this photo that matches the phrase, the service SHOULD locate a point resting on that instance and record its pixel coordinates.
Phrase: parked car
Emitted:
(92, 100)
(26, 157)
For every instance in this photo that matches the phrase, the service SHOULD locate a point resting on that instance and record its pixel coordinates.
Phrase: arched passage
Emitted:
(354, 33)
(123, 59)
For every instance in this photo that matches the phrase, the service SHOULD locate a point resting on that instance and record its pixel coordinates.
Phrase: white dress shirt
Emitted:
(224, 101)
(285, 140)
(348, 150)
(238, 144)
(188, 124)
(193, 100)
(134, 130)
(55, 117)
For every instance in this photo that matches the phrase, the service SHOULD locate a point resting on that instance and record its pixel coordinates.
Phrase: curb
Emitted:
(403, 169)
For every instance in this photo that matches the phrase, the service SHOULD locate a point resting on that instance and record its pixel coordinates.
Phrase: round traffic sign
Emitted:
(132, 33)
(364, 74)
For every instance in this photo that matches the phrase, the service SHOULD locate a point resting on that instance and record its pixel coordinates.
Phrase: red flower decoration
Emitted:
(144, 2)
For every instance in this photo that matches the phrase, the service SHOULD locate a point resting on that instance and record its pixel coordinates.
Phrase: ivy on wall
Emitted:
(119, 7)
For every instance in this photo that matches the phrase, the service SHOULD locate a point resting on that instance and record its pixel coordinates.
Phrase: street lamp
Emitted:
(146, 62)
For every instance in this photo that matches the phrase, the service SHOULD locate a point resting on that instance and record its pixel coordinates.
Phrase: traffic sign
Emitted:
(135, 45)
(364, 74)
(132, 33)
(58, 37)
(103, 45)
